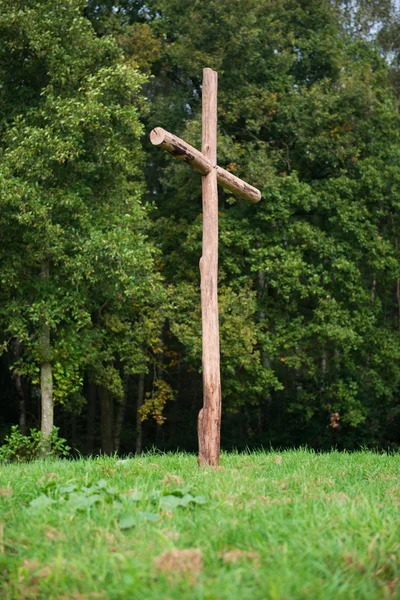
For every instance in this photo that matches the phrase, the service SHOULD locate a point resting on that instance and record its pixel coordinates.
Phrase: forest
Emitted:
(100, 323)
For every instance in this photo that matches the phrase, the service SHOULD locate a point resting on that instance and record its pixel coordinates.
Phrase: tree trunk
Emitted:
(107, 420)
(140, 399)
(16, 351)
(266, 399)
(373, 289)
(121, 414)
(159, 373)
(74, 431)
(396, 241)
(396, 245)
(209, 421)
(324, 360)
(46, 376)
(46, 387)
(324, 364)
(91, 418)
(398, 302)
(21, 404)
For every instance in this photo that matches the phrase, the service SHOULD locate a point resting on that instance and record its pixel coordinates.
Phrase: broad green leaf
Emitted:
(127, 521)
(199, 500)
(133, 519)
(41, 502)
(101, 484)
(148, 516)
(83, 501)
(179, 492)
(170, 502)
(135, 496)
(67, 489)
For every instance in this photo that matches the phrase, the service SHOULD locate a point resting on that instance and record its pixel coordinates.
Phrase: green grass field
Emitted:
(263, 526)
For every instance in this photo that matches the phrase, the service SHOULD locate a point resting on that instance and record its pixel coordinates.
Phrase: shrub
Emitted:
(23, 448)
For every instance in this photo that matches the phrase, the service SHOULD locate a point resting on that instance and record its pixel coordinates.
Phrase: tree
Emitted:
(306, 112)
(309, 285)
(74, 243)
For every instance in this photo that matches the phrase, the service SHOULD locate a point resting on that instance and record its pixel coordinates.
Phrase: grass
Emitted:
(274, 527)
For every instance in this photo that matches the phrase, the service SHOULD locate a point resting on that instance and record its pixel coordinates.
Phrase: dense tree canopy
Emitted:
(102, 235)
(77, 267)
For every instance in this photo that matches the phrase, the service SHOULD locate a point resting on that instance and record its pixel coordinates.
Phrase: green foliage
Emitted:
(308, 307)
(75, 497)
(172, 501)
(309, 288)
(156, 400)
(25, 448)
(132, 520)
(71, 181)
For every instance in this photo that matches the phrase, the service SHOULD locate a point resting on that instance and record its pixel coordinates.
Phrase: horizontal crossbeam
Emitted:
(200, 163)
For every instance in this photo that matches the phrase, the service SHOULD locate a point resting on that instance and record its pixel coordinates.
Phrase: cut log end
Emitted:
(157, 136)
(180, 149)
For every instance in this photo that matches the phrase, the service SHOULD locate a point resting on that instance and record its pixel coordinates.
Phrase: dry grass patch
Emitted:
(180, 564)
(30, 574)
(170, 534)
(393, 588)
(233, 556)
(283, 500)
(171, 479)
(44, 479)
(353, 562)
(340, 496)
(78, 596)
(54, 534)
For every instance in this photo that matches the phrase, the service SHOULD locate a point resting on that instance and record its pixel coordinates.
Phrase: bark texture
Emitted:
(203, 164)
(21, 405)
(139, 404)
(46, 386)
(16, 351)
(91, 418)
(121, 414)
(107, 420)
(46, 376)
(181, 150)
(209, 421)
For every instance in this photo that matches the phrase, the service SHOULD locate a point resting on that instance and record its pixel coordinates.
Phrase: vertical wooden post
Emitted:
(205, 162)
(209, 422)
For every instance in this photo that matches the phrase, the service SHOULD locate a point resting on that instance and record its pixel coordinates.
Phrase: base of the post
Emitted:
(209, 442)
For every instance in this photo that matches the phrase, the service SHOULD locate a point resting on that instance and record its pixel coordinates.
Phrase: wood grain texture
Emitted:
(237, 186)
(203, 165)
(205, 162)
(181, 150)
(46, 375)
(209, 422)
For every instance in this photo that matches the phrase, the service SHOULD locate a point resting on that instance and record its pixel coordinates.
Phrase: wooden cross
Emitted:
(205, 162)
